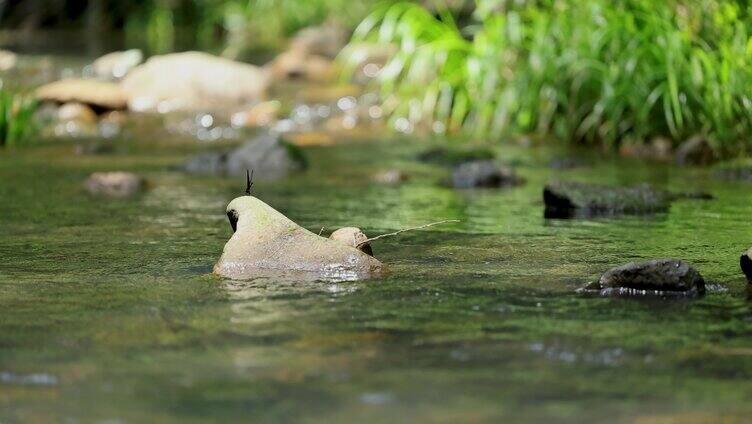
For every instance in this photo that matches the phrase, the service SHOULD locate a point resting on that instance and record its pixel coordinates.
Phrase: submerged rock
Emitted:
(745, 262)
(353, 237)
(97, 94)
(269, 157)
(695, 151)
(390, 176)
(452, 156)
(114, 184)
(565, 200)
(484, 173)
(265, 243)
(116, 65)
(193, 80)
(740, 170)
(661, 277)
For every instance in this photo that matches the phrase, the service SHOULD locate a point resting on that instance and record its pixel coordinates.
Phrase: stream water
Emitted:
(110, 312)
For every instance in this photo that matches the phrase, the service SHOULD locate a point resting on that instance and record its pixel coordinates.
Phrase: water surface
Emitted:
(110, 313)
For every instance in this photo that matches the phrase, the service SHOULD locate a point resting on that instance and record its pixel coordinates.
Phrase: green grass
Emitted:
(16, 118)
(591, 71)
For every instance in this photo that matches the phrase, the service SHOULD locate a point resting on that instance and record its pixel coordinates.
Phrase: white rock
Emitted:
(191, 81)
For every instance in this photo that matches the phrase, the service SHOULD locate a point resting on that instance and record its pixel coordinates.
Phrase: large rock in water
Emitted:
(268, 156)
(97, 94)
(662, 277)
(267, 243)
(191, 81)
(484, 173)
(695, 151)
(566, 200)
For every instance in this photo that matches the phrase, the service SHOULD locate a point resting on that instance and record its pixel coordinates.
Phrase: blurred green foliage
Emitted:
(593, 71)
(16, 118)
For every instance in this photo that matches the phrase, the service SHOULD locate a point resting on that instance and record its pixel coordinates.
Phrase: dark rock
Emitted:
(454, 156)
(695, 151)
(484, 173)
(745, 262)
(661, 277)
(566, 200)
(269, 157)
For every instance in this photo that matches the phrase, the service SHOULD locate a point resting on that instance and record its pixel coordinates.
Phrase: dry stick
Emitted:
(404, 230)
(321, 230)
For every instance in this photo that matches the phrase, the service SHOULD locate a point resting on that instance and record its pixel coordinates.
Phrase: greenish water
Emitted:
(110, 313)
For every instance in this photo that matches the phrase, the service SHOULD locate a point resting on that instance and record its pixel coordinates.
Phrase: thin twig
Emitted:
(321, 230)
(420, 227)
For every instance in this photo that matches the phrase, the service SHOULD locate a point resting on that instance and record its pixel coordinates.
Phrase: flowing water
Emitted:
(110, 312)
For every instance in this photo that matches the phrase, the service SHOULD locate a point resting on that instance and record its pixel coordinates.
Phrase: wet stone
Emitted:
(567, 200)
(269, 157)
(114, 184)
(485, 173)
(454, 156)
(660, 277)
(745, 262)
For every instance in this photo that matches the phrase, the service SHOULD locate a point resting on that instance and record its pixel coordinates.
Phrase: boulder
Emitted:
(99, 95)
(116, 65)
(192, 81)
(266, 243)
(695, 151)
(484, 173)
(76, 112)
(661, 277)
(269, 157)
(566, 200)
(353, 237)
(114, 184)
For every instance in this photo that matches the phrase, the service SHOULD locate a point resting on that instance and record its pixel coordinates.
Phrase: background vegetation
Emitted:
(597, 71)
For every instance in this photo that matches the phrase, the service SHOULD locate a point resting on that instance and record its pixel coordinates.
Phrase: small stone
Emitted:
(695, 151)
(661, 277)
(354, 237)
(325, 40)
(485, 173)
(114, 184)
(76, 112)
(659, 149)
(391, 176)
